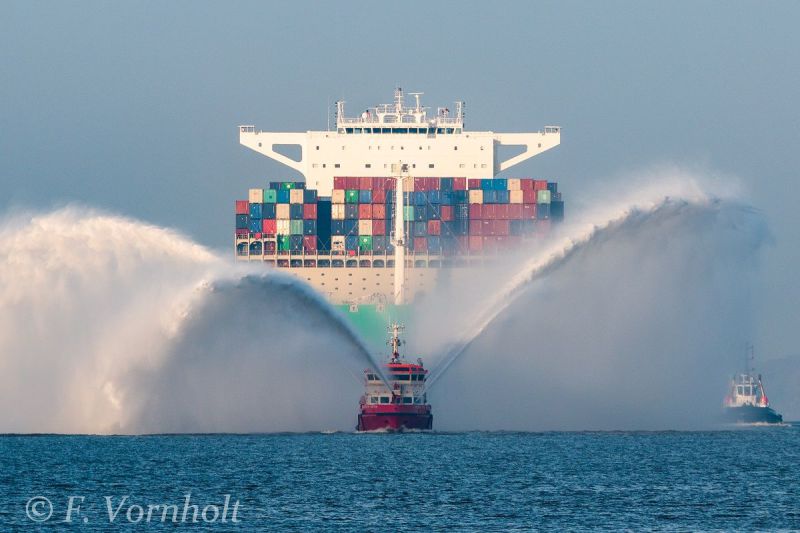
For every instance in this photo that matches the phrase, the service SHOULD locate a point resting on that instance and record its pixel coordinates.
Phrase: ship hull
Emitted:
(395, 418)
(751, 414)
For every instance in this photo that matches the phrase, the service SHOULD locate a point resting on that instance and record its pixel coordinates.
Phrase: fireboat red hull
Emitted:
(395, 418)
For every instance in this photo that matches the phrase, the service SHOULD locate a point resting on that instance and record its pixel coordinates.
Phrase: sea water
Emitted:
(742, 479)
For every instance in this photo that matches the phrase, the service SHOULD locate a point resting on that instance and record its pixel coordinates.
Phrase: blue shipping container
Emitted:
(255, 210)
(461, 197)
(242, 221)
(296, 243)
(552, 186)
(351, 242)
(309, 227)
(255, 225)
(420, 229)
(446, 184)
(434, 244)
(283, 196)
(434, 212)
(500, 184)
(309, 196)
(365, 196)
(351, 211)
(337, 227)
(268, 211)
(351, 227)
(489, 197)
(448, 198)
(503, 197)
(434, 197)
(542, 211)
(462, 211)
(296, 211)
(486, 184)
(419, 198)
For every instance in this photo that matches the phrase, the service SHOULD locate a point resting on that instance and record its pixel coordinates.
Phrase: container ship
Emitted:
(394, 201)
(399, 403)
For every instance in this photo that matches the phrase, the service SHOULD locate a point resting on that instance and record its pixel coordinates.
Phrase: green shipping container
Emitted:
(408, 212)
(270, 196)
(287, 185)
(284, 243)
(296, 227)
(543, 197)
(351, 196)
(365, 243)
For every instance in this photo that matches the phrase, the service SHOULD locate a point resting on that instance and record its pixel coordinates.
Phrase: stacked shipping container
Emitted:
(441, 215)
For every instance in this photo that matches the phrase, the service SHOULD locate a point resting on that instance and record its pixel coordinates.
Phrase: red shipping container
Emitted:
(420, 244)
(269, 247)
(475, 211)
(242, 207)
(420, 184)
(528, 211)
(501, 227)
(489, 211)
(309, 243)
(364, 211)
(459, 184)
(501, 211)
(526, 184)
(475, 243)
(378, 211)
(434, 227)
(339, 183)
(378, 196)
(529, 196)
(365, 184)
(310, 211)
(539, 185)
(243, 232)
(487, 227)
(448, 214)
(379, 227)
(351, 183)
(474, 184)
(269, 226)
(475, 227)
(489, 244)
(432, 184)
(514, 211)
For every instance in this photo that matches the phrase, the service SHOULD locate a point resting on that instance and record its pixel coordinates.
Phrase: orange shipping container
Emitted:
(365, 211)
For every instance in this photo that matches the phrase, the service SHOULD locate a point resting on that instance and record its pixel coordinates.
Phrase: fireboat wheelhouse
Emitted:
(403, 404)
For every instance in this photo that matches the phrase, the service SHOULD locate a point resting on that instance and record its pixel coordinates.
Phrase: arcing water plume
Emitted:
(111, 325)
(630, 322)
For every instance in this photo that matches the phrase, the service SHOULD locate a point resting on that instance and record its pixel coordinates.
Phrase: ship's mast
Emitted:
(401, 173)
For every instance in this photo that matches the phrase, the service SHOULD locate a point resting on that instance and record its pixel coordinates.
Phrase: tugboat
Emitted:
(402, 405)
(746, 402)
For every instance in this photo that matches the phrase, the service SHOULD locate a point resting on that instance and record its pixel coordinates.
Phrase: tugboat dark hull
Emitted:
(751, 414)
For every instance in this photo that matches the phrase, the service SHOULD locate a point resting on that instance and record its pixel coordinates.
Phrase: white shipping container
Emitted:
(256, 196)
(337, 243)
(284, 227)
(337, 196)
(337, 211)
(282, 211)
(515, 196)
(365, 227)
(476, 196)
(514, 184)
(296, 196)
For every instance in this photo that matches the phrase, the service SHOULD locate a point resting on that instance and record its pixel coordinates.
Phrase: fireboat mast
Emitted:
(401, 174)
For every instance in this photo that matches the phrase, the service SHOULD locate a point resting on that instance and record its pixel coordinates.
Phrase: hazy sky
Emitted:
(133, 107)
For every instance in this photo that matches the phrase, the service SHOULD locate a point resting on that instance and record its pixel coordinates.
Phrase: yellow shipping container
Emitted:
(365, 227)
(514, 184)
(282, 211)
(337, 196)
(337, 211)
(256, 196)
(296, 196)
(476, 196)
(515, 196)
(284, 227)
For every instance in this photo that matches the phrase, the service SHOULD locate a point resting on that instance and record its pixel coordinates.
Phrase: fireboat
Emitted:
(746, 402)
(400, 402)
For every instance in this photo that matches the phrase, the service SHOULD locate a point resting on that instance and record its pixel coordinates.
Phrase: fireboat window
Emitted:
(384, 399)
(373, 399)
(401, 377)
(408, 399)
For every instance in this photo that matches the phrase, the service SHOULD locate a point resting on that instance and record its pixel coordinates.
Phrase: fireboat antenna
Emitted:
(749, 357)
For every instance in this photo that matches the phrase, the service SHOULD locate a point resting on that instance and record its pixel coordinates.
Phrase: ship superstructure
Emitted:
(368, 145)
(747, 401)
